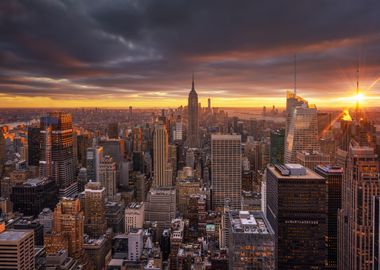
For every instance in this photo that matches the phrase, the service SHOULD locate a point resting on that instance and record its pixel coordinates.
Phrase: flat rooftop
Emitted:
(249, 222)
(308, 175)
(14, 235)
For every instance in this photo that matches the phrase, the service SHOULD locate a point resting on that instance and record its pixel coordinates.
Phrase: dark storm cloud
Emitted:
(242, 48)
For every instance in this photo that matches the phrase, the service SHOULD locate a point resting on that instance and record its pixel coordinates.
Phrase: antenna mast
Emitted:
(357, 90)
(295, 74)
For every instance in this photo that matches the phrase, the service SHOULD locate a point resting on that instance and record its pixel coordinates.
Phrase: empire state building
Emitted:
(192, 129)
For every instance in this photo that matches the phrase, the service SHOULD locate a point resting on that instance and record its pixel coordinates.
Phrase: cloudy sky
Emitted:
(117, 53)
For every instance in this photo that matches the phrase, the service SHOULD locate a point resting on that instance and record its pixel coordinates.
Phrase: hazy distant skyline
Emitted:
(142, 53)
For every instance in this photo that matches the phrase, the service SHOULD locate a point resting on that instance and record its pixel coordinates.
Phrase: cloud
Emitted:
(144, 47)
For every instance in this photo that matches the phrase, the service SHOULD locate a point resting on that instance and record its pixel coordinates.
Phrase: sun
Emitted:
(358, 98)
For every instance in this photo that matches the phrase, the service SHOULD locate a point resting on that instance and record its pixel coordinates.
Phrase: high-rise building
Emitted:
(95, 223)
(162, 173)
(251, 241)
(32, 196)
(160, 207)
(178, 129)
(60, 127)
(310, 159)
(134, 216)
(226, 170)
(68, 228)
(376, 232)
(334, 177)
(176, 239)
(93, 158)
(113, 130)
(17, 250)
(297, 211)
(46, 162)
(107, 176)
(301, 129)
(193, 125)
(135, 244)
(277, 146)
(2, 149)
(360, 184)
(83, 142)
(137, 139)
(33, 145)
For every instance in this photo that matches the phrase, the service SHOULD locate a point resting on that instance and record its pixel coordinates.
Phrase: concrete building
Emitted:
(226, 170)
(310, 159)
(94, 156)
(17, 250)
(135, 244)
(107, 176)
(193, 118)
(161, 207)
(95, 223)
(134, 216)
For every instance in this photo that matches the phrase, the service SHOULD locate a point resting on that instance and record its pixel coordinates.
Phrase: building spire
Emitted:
(357, 90)
(295, 74)
(192, 82)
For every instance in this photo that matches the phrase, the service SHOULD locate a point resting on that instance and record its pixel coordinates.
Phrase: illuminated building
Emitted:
(162, 173)
(251, 241)
(17, 250)
(68, 228)
(193, 125)
(302, 128)
(334, 179)
(57, 137)
(113, 130)
(355, 219)
(94, 212)
(297, 211)
(226, 170)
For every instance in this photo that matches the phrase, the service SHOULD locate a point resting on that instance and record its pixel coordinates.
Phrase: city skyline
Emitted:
(103, 54)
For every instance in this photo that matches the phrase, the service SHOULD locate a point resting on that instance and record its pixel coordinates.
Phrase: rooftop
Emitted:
(249, 222)
(289, 171)
(14, 235)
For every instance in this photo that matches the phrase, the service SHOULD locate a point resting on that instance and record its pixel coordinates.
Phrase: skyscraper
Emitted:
(62, 156)
(162, 173)
(226, 170)
(107, 176)
(277, 146)
(355, 220)
(297, 211)
(17, 250)
(333, 176)
(95, 223)
(113, 130)
(301, 128)
(192, 128)
(33, 145)
(68, 228)
(94, 156)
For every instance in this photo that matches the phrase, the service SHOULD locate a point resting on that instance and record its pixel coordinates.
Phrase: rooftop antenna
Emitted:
(357, 90)
(295, 74)
(192, 83)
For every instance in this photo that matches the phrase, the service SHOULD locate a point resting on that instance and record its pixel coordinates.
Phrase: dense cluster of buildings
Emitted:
(190, 188)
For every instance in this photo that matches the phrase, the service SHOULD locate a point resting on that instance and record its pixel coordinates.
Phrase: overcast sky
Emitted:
(142, 53)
